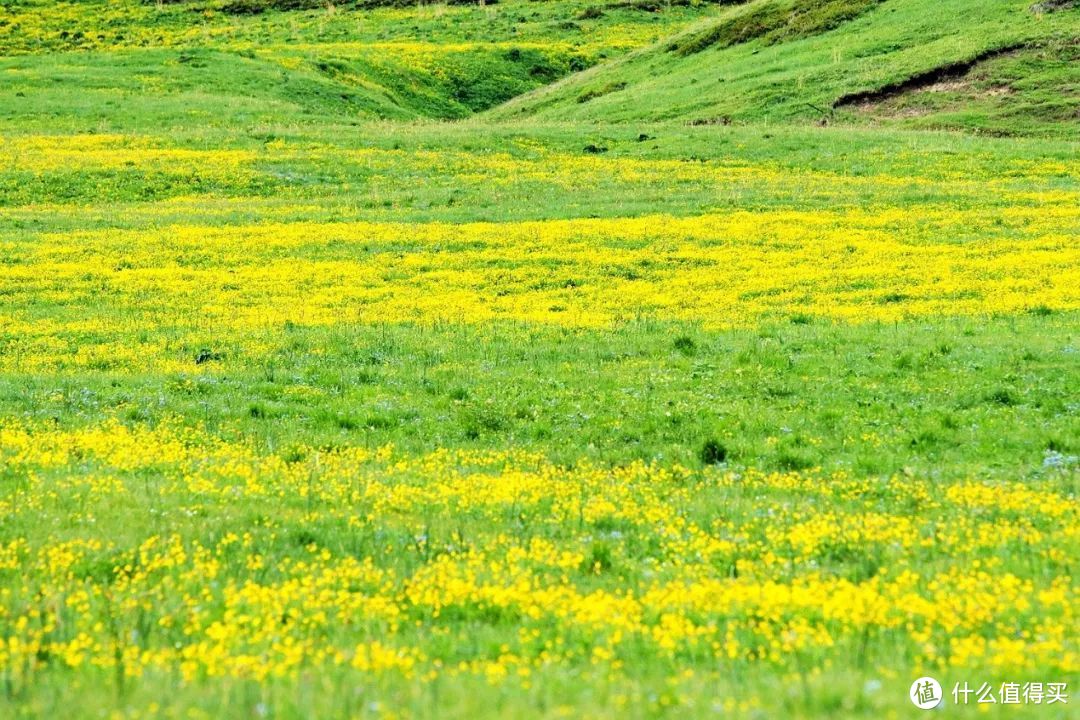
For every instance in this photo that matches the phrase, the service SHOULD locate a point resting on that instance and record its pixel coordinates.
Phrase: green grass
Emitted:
(775, 60)
(948, 399)
(1002, 95)
(789, 451)
(141, 59)
(773, 23)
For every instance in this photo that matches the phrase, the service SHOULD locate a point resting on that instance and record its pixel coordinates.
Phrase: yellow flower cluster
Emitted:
(723, 270)
(139, 25)
(384, 563)
(43, 153)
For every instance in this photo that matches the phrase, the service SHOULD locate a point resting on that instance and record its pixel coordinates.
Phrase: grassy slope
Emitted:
(786, 76)
(432, 61)
(1033, 90)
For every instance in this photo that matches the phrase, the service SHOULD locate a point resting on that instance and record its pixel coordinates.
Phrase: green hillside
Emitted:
(999, 66)
(1002, 66)
(105, 64)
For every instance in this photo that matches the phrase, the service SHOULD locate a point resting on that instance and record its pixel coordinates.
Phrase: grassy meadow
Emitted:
(365, 360)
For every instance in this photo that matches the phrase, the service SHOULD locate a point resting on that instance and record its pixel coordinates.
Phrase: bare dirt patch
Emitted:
(938, 77)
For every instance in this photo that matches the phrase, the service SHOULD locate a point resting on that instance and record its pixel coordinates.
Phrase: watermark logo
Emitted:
(925, 693)
(1012, 693)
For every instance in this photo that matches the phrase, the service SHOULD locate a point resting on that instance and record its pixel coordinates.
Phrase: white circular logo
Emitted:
(925, 693)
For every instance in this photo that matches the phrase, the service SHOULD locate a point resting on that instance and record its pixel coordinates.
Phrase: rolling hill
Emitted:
(992, 66)
(1000, 66)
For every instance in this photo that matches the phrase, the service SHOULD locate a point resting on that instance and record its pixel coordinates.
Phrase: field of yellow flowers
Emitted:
(782, 444)
(309, 417)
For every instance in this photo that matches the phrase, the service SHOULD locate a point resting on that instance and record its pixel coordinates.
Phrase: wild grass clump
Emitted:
(774, 23)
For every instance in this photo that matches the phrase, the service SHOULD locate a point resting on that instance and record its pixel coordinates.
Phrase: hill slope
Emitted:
(1000, 66)
(129, 64)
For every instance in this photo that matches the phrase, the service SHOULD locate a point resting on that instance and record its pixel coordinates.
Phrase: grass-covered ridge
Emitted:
(625, 61)
(772, 23)
(780, 60)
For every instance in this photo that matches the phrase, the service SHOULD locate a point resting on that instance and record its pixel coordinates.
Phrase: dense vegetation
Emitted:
(536, 359)
(1009, 69)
